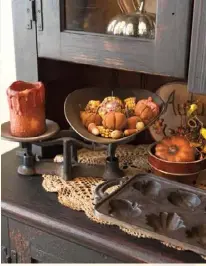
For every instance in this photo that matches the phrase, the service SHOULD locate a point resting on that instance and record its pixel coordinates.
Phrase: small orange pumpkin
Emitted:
(132, 121)
(175, 149)
(146, 109)
(88, 118)
(115, 120)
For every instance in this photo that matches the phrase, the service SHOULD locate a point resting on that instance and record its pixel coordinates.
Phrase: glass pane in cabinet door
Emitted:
(133, 18)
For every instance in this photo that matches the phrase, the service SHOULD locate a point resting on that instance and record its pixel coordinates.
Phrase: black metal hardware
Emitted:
(39, 15)
(69, 168)
(34, 13)
(112, 170)
(5, 258)
(31, 14)
(28, 159)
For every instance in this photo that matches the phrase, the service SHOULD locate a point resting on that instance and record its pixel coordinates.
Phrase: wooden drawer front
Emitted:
(33, 244)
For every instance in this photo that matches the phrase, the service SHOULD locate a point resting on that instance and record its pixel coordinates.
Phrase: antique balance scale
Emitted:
(76, 137)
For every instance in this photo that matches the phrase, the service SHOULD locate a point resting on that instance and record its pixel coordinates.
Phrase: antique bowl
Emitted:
(184, 172)
(78, 99)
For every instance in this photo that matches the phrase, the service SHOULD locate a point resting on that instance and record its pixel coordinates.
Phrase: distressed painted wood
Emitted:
(24, 42)
(166, 55)
(197, 66)
(33, 244)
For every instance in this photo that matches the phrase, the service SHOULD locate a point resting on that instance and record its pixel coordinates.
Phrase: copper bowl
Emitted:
(184, 172)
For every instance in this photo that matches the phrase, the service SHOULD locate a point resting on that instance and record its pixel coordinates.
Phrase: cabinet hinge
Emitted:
(31, 13)
(5, 258)
(34, 13)
(39, 15)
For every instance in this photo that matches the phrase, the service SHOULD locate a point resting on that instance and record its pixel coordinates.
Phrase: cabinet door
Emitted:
(197, 69)
(77, 31)
(36, 246)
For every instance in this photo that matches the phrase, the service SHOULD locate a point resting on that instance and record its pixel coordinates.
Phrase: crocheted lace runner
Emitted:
(78, 194)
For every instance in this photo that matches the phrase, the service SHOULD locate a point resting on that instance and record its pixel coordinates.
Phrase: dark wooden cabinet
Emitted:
(166, 54)
(56, 42)
(64, 45)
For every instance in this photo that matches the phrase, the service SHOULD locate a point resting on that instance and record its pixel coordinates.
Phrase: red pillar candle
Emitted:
(27, 108)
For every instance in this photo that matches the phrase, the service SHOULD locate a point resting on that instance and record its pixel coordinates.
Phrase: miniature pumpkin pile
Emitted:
(114, 118)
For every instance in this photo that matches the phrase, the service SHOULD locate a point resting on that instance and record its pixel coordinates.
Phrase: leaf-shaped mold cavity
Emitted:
(148, 187)
(184, 199)
(165, 222)
(199, 234)
(124, 208)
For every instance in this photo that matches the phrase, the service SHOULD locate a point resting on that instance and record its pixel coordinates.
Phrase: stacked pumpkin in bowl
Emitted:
(114, 118)
(176, 158)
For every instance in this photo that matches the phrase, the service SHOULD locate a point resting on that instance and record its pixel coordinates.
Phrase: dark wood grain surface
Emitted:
(24, 199)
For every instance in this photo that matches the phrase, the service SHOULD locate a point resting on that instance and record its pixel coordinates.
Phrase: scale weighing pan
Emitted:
(78, 99)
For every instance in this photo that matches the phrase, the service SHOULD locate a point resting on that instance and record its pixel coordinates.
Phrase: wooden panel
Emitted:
(153, 82)
(166, 55)
(25, 43)
(197, 69)
(172, 37)
(33, 244)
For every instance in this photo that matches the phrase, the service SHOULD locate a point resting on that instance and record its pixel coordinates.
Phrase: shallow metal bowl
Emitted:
(77, 101)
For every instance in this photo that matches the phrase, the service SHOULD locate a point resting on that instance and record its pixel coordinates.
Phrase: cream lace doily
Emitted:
(78, 194)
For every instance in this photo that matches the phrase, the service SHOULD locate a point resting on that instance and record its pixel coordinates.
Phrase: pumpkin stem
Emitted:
(173, 149)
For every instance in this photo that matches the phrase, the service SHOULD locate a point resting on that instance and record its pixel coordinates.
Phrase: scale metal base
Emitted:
(70, 168)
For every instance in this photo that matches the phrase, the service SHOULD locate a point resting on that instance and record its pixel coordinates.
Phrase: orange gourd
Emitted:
(175, 149)
(115, 120)
(132, 121)
(146, 109)
(88, 118)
